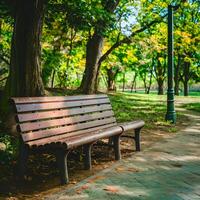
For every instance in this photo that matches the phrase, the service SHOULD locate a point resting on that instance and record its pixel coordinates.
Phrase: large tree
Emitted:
(25, 73)
(94, 56)
(94, 49)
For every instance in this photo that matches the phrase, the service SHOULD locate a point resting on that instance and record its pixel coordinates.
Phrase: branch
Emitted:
(127, 40)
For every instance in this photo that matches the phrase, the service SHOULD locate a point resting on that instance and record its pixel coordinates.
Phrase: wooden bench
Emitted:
(60, 124)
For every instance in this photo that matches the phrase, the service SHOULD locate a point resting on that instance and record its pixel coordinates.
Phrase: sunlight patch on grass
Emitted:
(150, 108)
(192, 106)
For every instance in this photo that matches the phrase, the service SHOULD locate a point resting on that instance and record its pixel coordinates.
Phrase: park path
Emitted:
(169, 170)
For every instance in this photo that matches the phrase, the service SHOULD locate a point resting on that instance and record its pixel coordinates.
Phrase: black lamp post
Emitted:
(171, 114)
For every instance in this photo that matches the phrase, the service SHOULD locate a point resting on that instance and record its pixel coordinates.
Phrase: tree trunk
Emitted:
(160, 87)
(186, 72)
(176, 76)
(150, 82)
(89, 82)
(186, 88)
(134, 82)
(93, 53)
(145, 86)
(0, 29)
(111, 79)
(25, 73)
(124, 78)
(53, 78)
(160, 71)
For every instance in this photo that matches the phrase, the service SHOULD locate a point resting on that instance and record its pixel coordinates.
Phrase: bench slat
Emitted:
(87, 138)
(61, 138)
(31, 126)
(23, 100)
(65, 129)
(59, 105)
(25, 117)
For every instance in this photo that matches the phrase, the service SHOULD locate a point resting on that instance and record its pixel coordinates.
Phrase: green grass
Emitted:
(154, 92)
(192, 106)
(150, 108)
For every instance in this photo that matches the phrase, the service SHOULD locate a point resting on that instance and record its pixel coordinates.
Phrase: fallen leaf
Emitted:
(112, 189)
(96, 178)
(133, 170)
(120, 169)
(73, 182)
(84, 187)
(95, 162)
(78, 191)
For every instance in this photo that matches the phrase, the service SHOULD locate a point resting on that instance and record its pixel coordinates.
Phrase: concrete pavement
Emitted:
(169, 170)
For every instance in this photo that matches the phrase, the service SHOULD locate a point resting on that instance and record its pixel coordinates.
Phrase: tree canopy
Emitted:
(81, 43)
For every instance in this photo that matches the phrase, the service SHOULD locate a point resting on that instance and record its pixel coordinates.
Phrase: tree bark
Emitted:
(93, 53)
(25, 72)
(160, 87)
(176, 76)
(111, 79)
(53, 78)
(160, 71)
(124, 80)
(134, 82)
(186, 72)
(150, 81)
(89, 82)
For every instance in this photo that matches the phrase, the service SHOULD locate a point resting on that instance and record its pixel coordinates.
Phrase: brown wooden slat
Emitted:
(127, 126)
(91, 137)
(31, 126)
(58, 105)
(23, 100)
(66, 129)
(62, 138)
(25, 117)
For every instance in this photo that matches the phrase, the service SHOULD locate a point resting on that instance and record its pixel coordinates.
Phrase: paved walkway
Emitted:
(170, 170)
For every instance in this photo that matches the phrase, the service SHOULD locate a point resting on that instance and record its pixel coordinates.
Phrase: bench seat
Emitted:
(61, 124)
(134, 125)
(128, 126)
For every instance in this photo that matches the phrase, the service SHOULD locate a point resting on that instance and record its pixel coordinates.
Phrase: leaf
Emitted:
(131, 169)
(96, 178)
(120, 169)
(84, 187)
(112, 189)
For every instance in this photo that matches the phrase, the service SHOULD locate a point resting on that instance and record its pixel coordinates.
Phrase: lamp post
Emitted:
(171, 114)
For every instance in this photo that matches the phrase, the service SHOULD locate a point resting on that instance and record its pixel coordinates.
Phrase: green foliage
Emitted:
(68, 25)
(8, 156)
(51, 61)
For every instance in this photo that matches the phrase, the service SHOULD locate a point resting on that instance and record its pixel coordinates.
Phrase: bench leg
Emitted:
(22, 162)
(87, 156)
(116, 144)
(137, 139)
(110, 141)
(61, 159)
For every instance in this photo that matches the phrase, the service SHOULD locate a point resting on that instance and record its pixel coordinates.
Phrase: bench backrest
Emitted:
(43, 120)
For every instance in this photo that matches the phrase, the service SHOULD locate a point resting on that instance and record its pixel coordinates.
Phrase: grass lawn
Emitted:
(127, 107)
(151, 108)
(192, 106)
